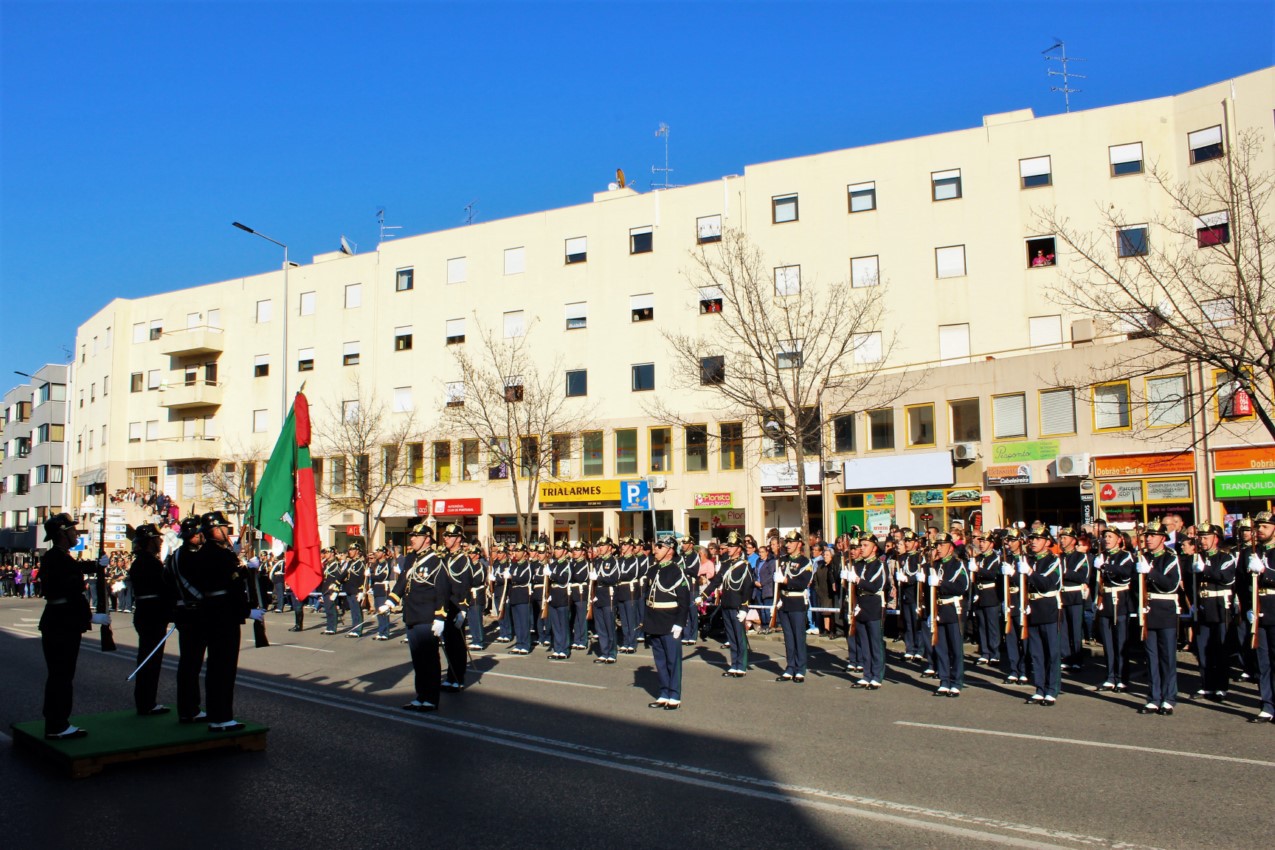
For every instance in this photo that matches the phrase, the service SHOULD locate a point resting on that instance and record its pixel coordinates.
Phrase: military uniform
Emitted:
(277, 580)
(950, 580)
(1115, 572)
(500, 589)
(223, 610)
(1077, 569)
(1162, 578)
(478, 576)
(734, 582)
(791, 598)
(1016, 649)
(1215, 596)
(985, 577)
(333, 581)
(690, 567)
(667, 602)
(520, 581)
(628, 594)
(458, 571)
(427, 595)
(65, 619)
(604, 574)
(151, 615)
(579, 590)
(352, 585)
(1262, 562)
(379, 578)
(184, 586)
(560, 580)
(869, 577)
(1044, 598)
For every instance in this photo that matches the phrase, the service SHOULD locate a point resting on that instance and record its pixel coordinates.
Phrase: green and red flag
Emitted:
(284, 504)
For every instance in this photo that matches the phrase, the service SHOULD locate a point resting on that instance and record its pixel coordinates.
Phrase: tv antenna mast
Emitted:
(1067, 76)
(380, 220)
(666, 170)
(471, 211)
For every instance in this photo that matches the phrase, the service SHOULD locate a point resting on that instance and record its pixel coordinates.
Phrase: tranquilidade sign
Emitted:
(1245, 485)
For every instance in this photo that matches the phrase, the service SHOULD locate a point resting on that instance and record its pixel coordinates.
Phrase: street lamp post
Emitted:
(283, 361)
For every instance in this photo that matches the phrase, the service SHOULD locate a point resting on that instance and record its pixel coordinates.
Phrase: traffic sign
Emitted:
(635, 495)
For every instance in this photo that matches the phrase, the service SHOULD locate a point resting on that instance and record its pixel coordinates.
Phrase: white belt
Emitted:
(1170, 597)
(987, 585)
(1071, 588)
(1215, 594)
(661, 605)
(1114, 590)
(1053, 594)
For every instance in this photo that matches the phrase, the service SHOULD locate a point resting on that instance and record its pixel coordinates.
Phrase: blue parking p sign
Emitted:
(635, 496)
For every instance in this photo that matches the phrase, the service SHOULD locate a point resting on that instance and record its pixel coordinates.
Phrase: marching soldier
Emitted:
(223, 610)
(354, 578)
(734, 582)
(277, 580)
(579, 589)
(854, 661)
(688, 558)
(1261, 563)
(558, 569)
(1044, 586)
(519, 577)
(792, 577)
(66, 618)
(869, 579)
(379, 577)
(181, 578)
(1163, 577)
(478, 582)
(949, 579)
(1215, 577)
(1075, 590)
(333, 579)
(1015, 648)
(425, 591)
(458, 571)
(604, 574)
(500, 588)
(1115, 571)
(539, 557)
(985, 574)
(151, 616)
(628, 592)
(666, 604)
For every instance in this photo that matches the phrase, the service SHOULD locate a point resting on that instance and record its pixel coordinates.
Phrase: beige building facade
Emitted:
(947, 223)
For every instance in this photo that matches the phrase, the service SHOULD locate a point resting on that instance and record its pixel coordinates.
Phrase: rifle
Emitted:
(1009, 617)
(504, 596)
(108, 639)
(1022, 606)
(934, 615)
(544, 601)
(1257, 610)
(850, 626)
(774, 606)
(1142, 601)
(588, 611)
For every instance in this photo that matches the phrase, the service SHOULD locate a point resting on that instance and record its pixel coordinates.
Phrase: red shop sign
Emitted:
(458, 507)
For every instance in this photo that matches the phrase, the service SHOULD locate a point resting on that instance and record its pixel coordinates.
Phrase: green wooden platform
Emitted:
(123, 736)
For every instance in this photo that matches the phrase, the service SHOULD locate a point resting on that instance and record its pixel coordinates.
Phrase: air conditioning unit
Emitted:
(832, 467)
(1072, 466)
(965, 451)
(657, 482)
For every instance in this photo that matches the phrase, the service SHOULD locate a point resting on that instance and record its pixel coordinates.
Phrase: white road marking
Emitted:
(308, 648)
(1080, 743)
(13, 631)
(482, 673)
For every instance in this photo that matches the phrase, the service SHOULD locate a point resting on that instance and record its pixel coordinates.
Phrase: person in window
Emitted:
(1042, 259)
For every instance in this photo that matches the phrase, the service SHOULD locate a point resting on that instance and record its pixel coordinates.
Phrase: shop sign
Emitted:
(1024, 452)
(713, 500)
(1169, 491)
(582, 494)
(1149, 464)
(1013, 473)
(878, 500)
(726, 519)
(782, 477)
(879, 522)
(422, 507)
(354, 530)
(937, 497)
(1248, 485)
(1244, 459)
(458, 507)
(1121, 492)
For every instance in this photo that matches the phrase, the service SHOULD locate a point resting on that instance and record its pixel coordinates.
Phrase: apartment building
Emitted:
(33, 456)
(948, 224)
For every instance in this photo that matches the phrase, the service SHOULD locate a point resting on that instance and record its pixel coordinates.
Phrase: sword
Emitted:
(152, 653)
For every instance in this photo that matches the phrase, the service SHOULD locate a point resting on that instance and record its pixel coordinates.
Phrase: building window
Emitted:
(55, 475)
(642, 307)
(442, 462)
(353, 296)
(156, 329)
(950, 261)
(350, 354)
(946, 185)
(710, 300)
(1057, 412)
(577, 383)
(577, 250)
(1205, 144)
(577, 315)
(881, 429)
(712, 370)
(865, 271)
(783, 208)
(455, 331)
(641, 240)
(696, 448)
(134, 432)
(403, 338)
(264, 310)
(515, 260)
(965, 420)
(1166, 401)
(1219, 312)
(402, 400)
(1132, 241)
(1125, 159)
(811, 424)
(350, 410)
(139, 332)
(404, 279)
(261, 365)
(454, 393)
(457, 269)
(866, 347)
(787, 281)
(1009, 416)
(862, 196)
(843, 428)
(954, 344)
(513, 389)
(415, 464)
(920, 418)
(1213, 229)
(1035, 172)
(788, 355)
(626, 451)
(661, 449)
(152, 382)
(643, 377)
(731, 445)
(305, 359)
(259, 421)
(591, 453)
(135, 382)
(515, 324)
(338, 476)
(708, 228)
(1045, 332)
(1111, 406)
(307, 303)
(1040, 252)
(560, 455)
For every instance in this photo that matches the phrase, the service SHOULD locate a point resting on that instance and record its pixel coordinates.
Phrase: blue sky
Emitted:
(132, 134)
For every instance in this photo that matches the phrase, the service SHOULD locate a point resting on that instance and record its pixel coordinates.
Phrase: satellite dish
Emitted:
(345, 246)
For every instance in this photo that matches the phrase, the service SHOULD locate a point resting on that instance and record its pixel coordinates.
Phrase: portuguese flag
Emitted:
(284, 504)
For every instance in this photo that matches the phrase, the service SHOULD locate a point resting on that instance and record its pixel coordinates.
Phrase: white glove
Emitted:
(257, 614)
(1144, 566)
(677, 633)
(934, 580)
(1256, 565)
(506, 574)
(1252, 618)
(1007, 569)
(384, 609)
(856, 610)
(546, 572)
(1098, 562)
(437, 628)
(741, 616)
(593, 575)
(101, 619)
(845, 575)
(779, 577)
(1023, 569)
(901, 577)
(854, 576)
(1199, 564)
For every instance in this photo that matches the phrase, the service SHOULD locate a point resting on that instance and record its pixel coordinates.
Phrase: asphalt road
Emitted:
(539, 753)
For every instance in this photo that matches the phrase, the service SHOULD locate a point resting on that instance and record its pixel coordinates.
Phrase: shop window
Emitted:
(712, 370)
(1040, 252)
(641, 240)
(1166, 401)
(1213, 229)
(696, 448)
(881, 429)
(920, 419)
(783, 208)
(942, 509)
(626, 451)
(577, 250)
(1057, 412)
(732, 445)
(965, 420)
(1132, 241)
(661, 449)
(404, 280)
(708, 228)
(1125, 159)
(1205, 144)
(1009, 416)
(862, 196)
(843, 433)
(945, 185)
(1111, 406)
(591, 453)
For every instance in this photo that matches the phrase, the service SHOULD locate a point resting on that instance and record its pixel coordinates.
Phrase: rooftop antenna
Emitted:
(1067, 76)
(380, 220)
(349, 248)
(470, 211)
(666, 171)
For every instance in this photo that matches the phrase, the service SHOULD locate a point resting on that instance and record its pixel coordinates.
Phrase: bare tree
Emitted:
(227, 483)
(1192, 284)
(366, 448)
(786, 353)
(517, 409)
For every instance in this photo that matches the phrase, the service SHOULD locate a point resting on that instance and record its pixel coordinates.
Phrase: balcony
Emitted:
(198, 394)
(200, 340)
(189, 449)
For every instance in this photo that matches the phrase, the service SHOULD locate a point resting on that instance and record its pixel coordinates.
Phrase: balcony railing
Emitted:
(197, 394)
(199, 340)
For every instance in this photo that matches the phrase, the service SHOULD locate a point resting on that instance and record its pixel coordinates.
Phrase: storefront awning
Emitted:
(96, 476)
